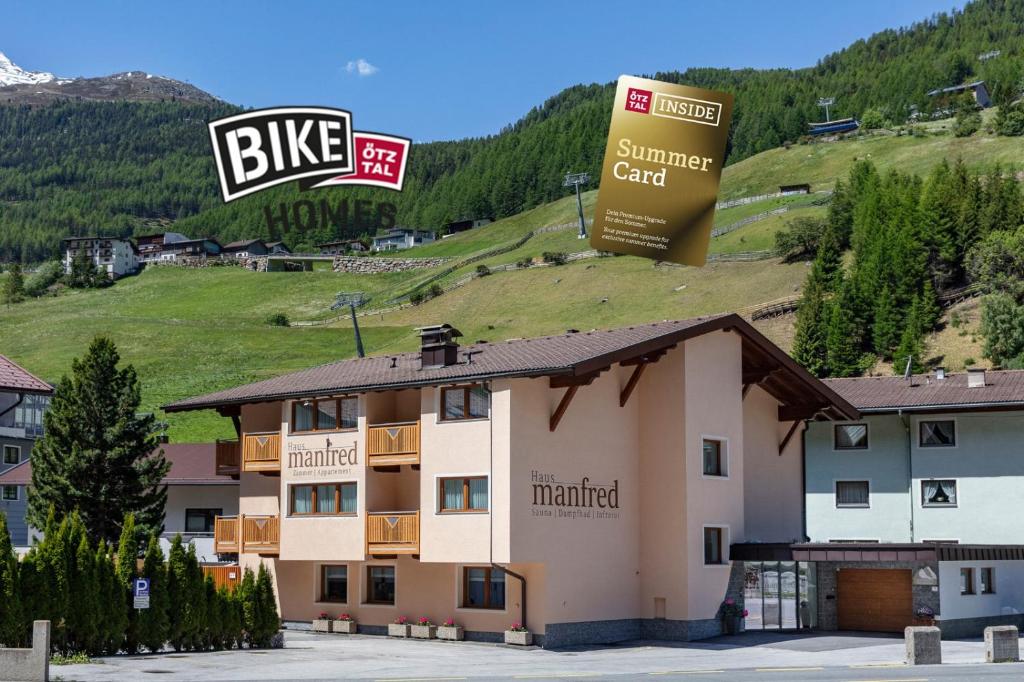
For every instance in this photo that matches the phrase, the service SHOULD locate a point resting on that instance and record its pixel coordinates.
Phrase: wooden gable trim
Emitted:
(789, 436)
(563, 405)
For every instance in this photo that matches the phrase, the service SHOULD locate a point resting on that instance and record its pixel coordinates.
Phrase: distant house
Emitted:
(278, 249)
(115, 256)
(466, 224)
(977, 89)
(152, 245)
(786, 190)
(190, 248)
(340, 247)
(23, 400)
(246, 248)
(196, 494)
(401, 238)
(840, 125)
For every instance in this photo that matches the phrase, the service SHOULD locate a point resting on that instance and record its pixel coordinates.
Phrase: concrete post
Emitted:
(1001, 645)
(924, 645)
(41, 648)
(28, 665)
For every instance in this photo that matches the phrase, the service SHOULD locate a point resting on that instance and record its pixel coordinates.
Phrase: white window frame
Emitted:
(459, 568)
(15, 448)
(318, 592)
(926, 505)
(437, 494)
(956, 434)
(725, 460)
(836, 448)
(835, 493)
(726, 539)
(17, 493)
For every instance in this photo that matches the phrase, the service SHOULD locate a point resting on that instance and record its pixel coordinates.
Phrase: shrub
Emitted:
(482, 270)
(555, 257)
(435, 290)
(967, 123)
(872, 119)
(278, 320)
(416, 297)
(524, 262)
(48, 274)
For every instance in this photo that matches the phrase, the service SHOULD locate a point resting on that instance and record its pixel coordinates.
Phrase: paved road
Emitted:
(753, 656)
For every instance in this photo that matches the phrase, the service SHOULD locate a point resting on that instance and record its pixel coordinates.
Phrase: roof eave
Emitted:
(948, 407)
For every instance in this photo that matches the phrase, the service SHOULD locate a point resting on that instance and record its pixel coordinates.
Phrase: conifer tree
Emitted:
(247, 599)
(179, 623)
(931, 311)
(153, 622)
(197, 601)
(886, 328)
(810, 343)
(114, 611)
(85, 632)
(269, 620)
(213, 633)
(97, 454)
(14, 285)
(11, 616)
(843, 338)
(127, 571)
(911, 345)
(231, 615)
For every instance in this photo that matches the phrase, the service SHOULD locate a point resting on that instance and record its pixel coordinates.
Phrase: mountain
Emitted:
(125, 167)
(18, 86)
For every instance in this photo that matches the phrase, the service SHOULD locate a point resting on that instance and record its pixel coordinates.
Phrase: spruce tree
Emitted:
(886, 324)
(98, 453)
(843, 337)
(14, 285)
(153, 622)
(911, 345)
(127, 571)
(809, 344)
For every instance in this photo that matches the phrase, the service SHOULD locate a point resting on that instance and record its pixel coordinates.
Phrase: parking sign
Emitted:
(140, 592)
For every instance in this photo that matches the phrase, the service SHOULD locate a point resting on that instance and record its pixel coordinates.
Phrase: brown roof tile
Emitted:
(13, 377)
(1002, 388)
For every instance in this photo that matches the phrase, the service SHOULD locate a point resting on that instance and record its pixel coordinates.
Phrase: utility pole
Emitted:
(355, 325)
(826, 102)
(575, 180)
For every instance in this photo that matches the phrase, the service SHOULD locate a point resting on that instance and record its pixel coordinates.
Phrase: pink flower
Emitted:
(745, 613)
(323, 616)
(730, 601)
(449, 622)
(344, 616)
(401, 620)
(424, 620)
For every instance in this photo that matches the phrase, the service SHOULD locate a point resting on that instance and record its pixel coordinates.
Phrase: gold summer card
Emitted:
(662, 166)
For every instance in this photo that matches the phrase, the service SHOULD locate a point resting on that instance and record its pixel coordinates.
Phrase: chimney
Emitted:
(438, 347)
(975, 377)
(940, 373)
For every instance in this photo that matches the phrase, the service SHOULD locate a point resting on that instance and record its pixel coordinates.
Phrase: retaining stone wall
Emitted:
(373, 266)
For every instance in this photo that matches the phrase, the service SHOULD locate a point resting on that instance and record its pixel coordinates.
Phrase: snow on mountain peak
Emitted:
(12, 74)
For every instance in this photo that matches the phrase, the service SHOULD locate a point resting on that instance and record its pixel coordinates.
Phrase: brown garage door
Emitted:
(874, 599)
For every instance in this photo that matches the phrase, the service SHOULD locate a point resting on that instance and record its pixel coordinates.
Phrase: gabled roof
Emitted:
(1002, 389)
(14, 378)
(191, 464)
(567, 355)
(241, 244)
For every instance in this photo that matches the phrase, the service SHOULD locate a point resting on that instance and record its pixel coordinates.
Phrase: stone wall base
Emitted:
(963, 628)
(560, 635)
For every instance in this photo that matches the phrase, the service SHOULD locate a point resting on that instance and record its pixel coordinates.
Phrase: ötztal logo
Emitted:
(314, 145)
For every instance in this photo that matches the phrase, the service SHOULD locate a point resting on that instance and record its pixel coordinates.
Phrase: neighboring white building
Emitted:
(117, 257)
(401, 238)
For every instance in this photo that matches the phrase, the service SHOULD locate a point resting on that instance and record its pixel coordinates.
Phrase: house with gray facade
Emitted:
(23, 400)
(911, 509)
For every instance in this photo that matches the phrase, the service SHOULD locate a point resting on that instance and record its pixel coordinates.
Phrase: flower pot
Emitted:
(423, 631)
(321, 625)
(345, 627)
(924, 620)
(396, 630)
(454, 633)
(518, 638)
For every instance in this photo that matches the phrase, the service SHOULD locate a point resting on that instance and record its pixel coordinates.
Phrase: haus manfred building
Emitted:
(589, 484)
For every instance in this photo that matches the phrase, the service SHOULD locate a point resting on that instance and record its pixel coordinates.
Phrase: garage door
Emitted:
(874, 599)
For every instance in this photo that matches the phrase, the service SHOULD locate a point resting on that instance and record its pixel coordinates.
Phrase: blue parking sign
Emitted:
(141, 588)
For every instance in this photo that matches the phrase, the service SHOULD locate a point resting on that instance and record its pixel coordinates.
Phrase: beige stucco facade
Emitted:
(621, 546)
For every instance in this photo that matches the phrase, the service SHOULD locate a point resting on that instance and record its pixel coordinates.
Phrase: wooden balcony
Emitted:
(392, 533)
(261, 452)
(393, 444)
(229, 456)
(258, 535)
(225, 535)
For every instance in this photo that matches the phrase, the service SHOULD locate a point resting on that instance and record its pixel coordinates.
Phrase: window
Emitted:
(380, 584)
(332, 414)
(334, 584)
(464, 402)
(987, 577)
(938, 493)
(966, 581)
(323, 499)
(938, 434)
(11, 493)
(29, 414)
(12, 454)
(853, 494)
(201, 520)
(851, 437)
(714, 461)
(483, 588)
(463, 494)
(713, 541)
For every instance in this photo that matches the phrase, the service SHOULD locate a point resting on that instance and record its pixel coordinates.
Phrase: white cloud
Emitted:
(361, 67)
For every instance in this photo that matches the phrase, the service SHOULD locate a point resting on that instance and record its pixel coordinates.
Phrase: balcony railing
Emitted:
(250, 534)
(225, 535)
(391, 444)
(229, 457)
(393, 533)
(261, 451)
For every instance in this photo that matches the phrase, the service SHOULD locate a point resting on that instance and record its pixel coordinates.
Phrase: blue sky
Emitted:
(430, 70)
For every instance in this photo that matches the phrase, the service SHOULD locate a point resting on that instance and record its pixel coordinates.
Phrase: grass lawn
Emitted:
(760, 236)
